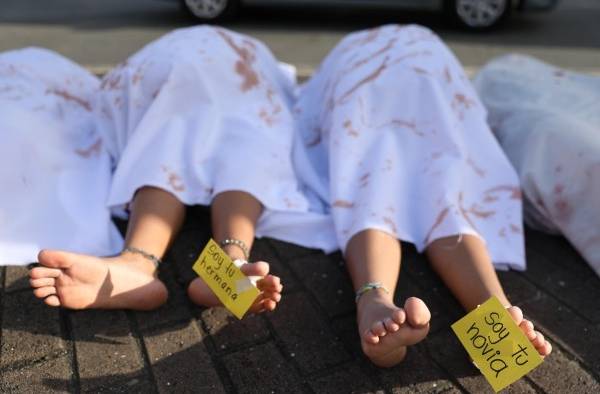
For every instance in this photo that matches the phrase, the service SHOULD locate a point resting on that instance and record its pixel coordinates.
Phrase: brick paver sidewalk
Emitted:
(309, 344)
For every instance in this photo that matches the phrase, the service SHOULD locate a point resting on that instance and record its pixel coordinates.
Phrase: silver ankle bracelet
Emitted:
(149, 256)
(236, 242)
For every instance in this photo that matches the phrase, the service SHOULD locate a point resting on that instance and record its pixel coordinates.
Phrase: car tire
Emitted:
(478, 14)
(210, 11)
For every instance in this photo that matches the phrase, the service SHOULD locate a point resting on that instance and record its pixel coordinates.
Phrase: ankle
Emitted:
(137, 261)
(374, 296)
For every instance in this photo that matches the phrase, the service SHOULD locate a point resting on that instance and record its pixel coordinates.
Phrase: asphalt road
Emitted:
(101, 33)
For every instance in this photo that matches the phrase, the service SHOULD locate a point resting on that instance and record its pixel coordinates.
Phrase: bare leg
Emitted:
(125, 281)
(234, 216)
(385, 329)
(466, 268)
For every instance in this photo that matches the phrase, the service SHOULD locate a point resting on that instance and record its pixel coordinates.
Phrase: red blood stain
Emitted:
(349, 129)
(558, 189)
(447, 75)
(563, 210)
(475, 168)
(372, 56)
(69, 97)
(364, 180)
(515, 191)
(366, 80)
(489, 199)
(289, 203)
(112, 81)
(243, 66)
(343, 204)
(438, 221)
(92, 149)
(390, 222)
(402, 124)
(515, 229)
(421, 71)
(137, 76)
(174, 180)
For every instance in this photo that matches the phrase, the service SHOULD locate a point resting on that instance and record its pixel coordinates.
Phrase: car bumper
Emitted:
(537, 5)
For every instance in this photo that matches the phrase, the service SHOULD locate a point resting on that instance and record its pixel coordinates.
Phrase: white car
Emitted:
(472, 14)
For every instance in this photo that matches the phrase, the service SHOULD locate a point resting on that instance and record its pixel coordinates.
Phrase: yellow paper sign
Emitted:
(496, 344)
(234, 289)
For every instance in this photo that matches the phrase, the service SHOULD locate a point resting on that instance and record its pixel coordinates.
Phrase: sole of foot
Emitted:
(386, 330)
(77, 281)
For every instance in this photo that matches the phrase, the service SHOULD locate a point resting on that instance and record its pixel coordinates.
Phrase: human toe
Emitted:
(44, 292)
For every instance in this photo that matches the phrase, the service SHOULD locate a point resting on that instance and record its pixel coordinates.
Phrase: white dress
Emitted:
(388, 134)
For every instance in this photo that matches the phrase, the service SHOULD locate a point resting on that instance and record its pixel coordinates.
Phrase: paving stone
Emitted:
(108, 355)
(228, 332)
(348, 378)
(262, 369)
(329, 285)
(563, 326)
(558, 374)
(446, 350)
(558, 251)
(17, 278)
(417, 374)
(288, 251)
(575, 289)
(30, 331)
(176, 309)
(263, 251)
(417, 268)
(53, 375)
(180, 362)
(306, 336)
(517, 288)
(185, 250)
(345, 329)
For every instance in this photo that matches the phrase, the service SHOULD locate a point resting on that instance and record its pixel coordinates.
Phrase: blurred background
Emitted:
(100, 33)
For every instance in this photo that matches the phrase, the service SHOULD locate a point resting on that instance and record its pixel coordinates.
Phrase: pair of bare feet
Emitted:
(387, 330)
(127, 281)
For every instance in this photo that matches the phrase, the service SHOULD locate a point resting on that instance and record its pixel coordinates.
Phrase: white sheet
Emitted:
(548, 122)
(388, 134)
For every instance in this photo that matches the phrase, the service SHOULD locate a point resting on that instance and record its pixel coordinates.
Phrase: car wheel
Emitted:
(478, 14)
(210, 11)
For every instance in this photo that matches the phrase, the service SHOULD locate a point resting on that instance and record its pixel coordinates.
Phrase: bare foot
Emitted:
(537, 339)
(386, 330)
(79, 281)
(269, 285)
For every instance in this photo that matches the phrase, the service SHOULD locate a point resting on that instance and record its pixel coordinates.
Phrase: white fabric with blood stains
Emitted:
(548, 122)
(204, 110)
(404, 148)
(396, 140)
(54, 175)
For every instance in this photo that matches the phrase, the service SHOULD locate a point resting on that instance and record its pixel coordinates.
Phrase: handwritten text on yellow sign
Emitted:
(230, 285)
(496, 344)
